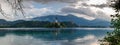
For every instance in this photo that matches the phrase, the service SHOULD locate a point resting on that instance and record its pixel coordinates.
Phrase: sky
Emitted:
(87, 9)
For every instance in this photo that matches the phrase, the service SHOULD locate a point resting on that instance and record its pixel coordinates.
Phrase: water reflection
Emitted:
(54, 37)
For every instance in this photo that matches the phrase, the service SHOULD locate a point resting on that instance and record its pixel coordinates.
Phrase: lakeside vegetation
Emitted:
(34, 24)
(113, 38)
(44, 24)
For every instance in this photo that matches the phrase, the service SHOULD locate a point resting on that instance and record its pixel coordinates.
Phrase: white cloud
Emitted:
(88, 12)
(7, 9)
(50, 1)
(108, 10)
(30, 11)
(83, 16)
(86, 40)
(96, 2)
(90, 9)
(36, 11)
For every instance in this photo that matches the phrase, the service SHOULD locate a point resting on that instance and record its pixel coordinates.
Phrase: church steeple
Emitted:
(56, 20)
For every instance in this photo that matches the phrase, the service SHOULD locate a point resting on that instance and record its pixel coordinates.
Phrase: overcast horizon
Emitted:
(87, 9)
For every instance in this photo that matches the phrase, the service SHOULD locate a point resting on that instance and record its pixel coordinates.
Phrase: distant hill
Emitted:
(23, 23)
(3, 22)
(68, 21)
(71, 18)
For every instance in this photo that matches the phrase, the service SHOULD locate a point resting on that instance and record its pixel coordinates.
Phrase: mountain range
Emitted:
(77, 20)
(68, 20)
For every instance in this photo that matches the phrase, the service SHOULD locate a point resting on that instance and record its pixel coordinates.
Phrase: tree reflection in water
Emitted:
(58, 36)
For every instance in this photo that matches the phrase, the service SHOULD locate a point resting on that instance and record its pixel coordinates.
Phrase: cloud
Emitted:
(81, 8)
(96, 2)
(88, 11)
(93, 5)
(7, 9)
(33, 12)
(86, 40)
(29, 40)
(30, 11)
(49, 1)
(37, 11)
(100, 6)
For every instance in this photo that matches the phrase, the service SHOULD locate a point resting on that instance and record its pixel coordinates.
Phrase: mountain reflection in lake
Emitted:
(52, 37)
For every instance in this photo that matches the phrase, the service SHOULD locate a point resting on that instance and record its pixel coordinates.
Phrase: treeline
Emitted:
(36, 24)
(42, 24)
(97, 26)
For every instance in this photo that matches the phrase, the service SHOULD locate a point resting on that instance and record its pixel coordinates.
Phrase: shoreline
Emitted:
(50, 28)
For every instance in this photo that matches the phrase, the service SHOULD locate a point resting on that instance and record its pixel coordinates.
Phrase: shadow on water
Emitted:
(63, 34)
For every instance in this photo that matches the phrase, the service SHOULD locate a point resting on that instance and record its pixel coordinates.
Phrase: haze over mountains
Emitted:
(78, 20)
(69, 18)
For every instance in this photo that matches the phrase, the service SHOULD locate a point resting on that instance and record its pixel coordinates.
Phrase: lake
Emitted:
(52, 36)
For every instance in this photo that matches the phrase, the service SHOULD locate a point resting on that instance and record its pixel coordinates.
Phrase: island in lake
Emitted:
(54, 21)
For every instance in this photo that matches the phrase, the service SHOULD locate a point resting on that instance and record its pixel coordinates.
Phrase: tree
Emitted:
(113, 38)
(16, 5)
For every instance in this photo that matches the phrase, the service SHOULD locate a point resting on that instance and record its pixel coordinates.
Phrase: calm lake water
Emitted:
(42, 36)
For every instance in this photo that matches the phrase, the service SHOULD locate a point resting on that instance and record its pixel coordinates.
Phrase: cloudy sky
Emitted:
(88, 9)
